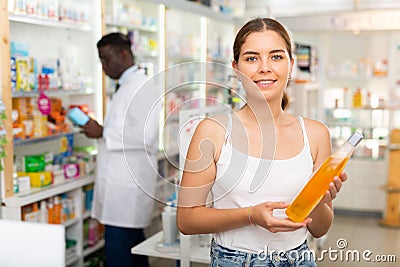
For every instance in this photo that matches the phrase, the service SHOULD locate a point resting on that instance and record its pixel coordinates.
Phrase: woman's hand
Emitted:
(334, 187)
(262, 215)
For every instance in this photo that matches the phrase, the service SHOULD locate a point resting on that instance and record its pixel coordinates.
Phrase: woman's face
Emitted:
(264, 60)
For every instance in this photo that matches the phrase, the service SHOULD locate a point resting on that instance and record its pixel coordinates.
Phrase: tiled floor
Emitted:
(363, 236)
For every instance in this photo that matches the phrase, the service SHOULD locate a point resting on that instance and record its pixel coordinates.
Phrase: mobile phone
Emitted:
(77, 116)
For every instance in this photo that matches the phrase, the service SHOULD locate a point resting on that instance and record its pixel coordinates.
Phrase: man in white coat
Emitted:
(126, 161)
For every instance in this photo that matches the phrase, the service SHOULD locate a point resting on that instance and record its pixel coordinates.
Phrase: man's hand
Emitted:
(93, 129)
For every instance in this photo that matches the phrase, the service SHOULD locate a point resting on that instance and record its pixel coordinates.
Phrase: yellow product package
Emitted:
(38, 179)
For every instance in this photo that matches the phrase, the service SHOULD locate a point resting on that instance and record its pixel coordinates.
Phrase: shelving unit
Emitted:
(143, 22)
(305, 99)
(12, 210)
(198, 254)
(36, 194)
(392, 214)
(210, 29)
(350, 59)
(194, 36)
(73, 44)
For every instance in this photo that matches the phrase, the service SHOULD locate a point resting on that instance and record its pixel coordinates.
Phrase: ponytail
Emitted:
(285, 100)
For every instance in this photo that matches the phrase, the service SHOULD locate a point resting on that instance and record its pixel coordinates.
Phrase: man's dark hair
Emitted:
(115, 39)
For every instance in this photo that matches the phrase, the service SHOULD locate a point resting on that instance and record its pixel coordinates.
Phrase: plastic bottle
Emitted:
(346, 97)
(15, 179)
(92, 233)
(357, 99)
(43, 215)
(50, 211)
(315, 189)
(57, 210)
(35, 212)
(65, 209)
(170, 230)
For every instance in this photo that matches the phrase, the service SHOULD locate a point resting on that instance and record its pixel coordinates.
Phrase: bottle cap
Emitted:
(355, 138)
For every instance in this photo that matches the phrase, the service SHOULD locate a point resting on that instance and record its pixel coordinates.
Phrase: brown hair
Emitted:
(259, 25)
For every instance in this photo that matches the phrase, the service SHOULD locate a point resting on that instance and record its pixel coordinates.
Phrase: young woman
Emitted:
(251, 163)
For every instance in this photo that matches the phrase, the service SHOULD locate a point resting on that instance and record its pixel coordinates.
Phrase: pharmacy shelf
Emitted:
(138, 27)
(36, 140)
(49, 22)
(96, 247)
(38, 194)
(394, 147)
(54, 92)
(198, 254)
(71, 260)
(148, 248)
(195, 8)
(71, 222)
(86, 214)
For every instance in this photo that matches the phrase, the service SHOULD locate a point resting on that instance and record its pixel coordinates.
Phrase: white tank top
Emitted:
(283, 180)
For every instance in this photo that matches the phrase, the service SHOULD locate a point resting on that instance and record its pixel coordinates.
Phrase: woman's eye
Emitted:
(277, 57)
(251, 59)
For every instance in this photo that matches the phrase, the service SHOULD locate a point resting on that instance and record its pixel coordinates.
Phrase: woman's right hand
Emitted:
(262, 215)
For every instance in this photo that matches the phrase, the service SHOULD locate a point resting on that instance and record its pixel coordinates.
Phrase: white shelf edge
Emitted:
(54, 92)
(37, 194)
(86, 214)
(35, 140)
(194, 8)
(309, 86)
(71, 222)
(96, 247)
(394, 146)
(49, 22)
(356, 77)
(72, 259)
(144, 28)
(148, 248)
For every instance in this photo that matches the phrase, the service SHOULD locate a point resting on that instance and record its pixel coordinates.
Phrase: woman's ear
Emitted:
(234, 66)
(291, 67)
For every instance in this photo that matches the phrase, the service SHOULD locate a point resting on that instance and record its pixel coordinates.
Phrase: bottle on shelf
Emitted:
(50, 211)
(346, 97)
(43, 215)
(368, 100)
(170, 230)
(57, 210)
(314, 190)
(357, 98)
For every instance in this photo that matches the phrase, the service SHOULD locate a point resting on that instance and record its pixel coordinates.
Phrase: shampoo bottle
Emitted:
(43, 216)
(315, 189)
(170, 229)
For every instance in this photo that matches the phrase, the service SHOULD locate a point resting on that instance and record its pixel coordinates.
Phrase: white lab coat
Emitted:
(126, 161)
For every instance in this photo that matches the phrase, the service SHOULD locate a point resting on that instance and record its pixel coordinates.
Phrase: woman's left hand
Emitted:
(334, 187)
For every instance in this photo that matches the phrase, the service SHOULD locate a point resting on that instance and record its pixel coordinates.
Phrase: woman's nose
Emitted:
(264, 66)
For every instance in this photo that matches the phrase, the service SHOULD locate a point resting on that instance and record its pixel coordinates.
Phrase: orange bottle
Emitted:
(315, 189)
(57, 210)
(50, 211)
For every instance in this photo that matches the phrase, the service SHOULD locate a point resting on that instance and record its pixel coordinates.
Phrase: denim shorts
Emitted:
(225, 257)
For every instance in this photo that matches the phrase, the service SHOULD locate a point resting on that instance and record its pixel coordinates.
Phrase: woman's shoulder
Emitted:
(318, 134)
(315, 126)
(213, 127)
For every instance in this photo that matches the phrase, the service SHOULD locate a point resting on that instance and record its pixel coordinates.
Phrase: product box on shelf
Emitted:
(34, 163)
(22, 112)
(24, 183)
(38, 179)
(71, 170)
